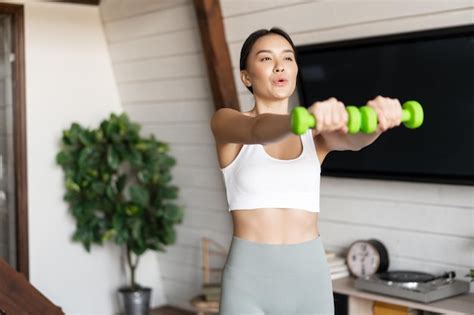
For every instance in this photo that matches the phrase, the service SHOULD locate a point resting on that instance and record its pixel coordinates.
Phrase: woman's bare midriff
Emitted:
(275, 225)
(272, 225)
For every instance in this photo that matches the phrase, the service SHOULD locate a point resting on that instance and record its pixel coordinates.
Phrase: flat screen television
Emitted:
(434, 67)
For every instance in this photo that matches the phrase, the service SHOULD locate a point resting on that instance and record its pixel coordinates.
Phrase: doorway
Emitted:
(7, 187)
(13, 179)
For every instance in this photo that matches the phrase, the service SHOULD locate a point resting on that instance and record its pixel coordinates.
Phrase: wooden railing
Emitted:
(19, 297)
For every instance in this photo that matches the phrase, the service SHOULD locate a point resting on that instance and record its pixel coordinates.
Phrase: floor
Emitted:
(170, 310)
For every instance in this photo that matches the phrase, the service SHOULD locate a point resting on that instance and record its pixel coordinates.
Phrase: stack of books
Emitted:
(337, 265)
(382, 308)
(211, 291)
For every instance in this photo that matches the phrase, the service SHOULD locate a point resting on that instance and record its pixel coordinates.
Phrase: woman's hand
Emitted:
(389, 112)
(330, 115)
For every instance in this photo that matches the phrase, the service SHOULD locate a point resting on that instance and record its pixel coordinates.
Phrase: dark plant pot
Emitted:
(135, 302)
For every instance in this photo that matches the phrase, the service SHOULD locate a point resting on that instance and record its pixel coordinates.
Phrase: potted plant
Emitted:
(471, 282)
(117, 186)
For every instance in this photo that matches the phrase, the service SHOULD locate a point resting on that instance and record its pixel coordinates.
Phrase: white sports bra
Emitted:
(254, 179)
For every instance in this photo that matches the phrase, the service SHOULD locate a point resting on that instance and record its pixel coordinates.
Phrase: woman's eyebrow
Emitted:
(269, 51)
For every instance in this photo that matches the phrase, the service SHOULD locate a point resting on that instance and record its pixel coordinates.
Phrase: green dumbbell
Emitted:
(301, 120)
(412, 116)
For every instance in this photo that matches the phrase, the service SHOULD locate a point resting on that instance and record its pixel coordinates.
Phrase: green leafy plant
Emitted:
(117, 187)
(471, 274)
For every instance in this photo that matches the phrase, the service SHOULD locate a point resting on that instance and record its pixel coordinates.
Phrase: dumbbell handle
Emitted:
(412, 116)
(302, 119)
(406, 115)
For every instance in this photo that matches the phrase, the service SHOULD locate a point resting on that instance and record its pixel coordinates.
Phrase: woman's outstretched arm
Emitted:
(338, 141)
(231, 126)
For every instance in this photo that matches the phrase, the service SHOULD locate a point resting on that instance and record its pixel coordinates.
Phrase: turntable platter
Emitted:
(405, 276)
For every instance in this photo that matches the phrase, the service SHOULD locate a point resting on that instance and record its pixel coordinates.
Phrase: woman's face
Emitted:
(271, 58)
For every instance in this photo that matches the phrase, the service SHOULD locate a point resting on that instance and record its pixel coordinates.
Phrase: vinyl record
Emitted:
(405, 276)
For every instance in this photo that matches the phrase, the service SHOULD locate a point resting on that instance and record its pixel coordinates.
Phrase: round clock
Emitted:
(367, 257)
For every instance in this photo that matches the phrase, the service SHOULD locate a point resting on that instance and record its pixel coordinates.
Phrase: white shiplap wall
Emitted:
(161, 74)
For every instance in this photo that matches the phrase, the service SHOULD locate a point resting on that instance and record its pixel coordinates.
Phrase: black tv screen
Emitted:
(434, 67)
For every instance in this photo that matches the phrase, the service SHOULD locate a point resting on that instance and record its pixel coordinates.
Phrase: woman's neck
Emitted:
(275, 107)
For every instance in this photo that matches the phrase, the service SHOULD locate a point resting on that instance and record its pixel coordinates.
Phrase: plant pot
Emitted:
(135, 302)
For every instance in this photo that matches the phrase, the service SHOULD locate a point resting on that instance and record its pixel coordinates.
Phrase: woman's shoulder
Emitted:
(248, 114)
(227, 152)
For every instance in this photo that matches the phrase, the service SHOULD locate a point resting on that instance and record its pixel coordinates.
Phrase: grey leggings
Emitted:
(276, 279)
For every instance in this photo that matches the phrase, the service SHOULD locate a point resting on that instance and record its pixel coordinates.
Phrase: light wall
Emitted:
(69, 78)
(161, 75)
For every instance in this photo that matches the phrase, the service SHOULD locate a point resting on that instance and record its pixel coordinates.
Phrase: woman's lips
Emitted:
(280, 83)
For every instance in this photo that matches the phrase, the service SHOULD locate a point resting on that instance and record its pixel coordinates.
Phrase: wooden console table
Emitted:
(360, 302)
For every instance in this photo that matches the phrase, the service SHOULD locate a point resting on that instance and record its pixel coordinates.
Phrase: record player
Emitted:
(413, 285)
(368, 261)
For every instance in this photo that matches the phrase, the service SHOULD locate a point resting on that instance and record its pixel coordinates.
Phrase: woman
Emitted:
(276, 262)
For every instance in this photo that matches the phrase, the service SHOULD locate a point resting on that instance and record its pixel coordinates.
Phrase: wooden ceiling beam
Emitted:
(217, 55)
(90, 2)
